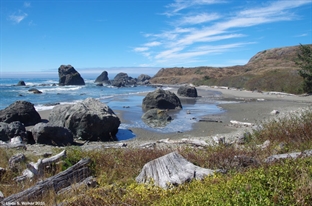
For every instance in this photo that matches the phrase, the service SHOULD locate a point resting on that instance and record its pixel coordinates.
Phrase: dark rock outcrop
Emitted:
(120, 80)
(156, 118)
(47, 133)
(35, 91)
(69, 76)
(102, 78)
(13, 129)
(161, 99)
(143, 79)
(187, 91)
(21, 83)
(22, 111)
(88, 120)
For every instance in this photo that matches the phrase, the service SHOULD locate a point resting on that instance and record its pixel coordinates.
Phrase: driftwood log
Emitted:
(238, 123)
(293, 155)
(171, 170)
(192, 142)
(35, 170)
(74, 174)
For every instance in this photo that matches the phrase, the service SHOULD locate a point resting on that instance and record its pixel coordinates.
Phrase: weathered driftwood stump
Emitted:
(171, 170)
(35, 170)
(74, 174)
(293, 155)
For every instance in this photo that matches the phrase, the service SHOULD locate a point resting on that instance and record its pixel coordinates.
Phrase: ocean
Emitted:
(128, 100)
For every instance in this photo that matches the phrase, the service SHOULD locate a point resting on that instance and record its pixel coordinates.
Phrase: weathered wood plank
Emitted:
(74, 174)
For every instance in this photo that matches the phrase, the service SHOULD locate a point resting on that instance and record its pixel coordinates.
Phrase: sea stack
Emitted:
(69, 76)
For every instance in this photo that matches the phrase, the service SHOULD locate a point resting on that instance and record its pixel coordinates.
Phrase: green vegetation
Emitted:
(304, 61)
(272, 80)
(285, 182)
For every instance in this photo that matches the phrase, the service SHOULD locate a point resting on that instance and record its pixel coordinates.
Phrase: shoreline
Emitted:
(252, 107)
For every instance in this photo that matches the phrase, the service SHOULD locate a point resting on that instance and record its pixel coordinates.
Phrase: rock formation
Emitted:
(21, 83)
(69, 76)
(143, 79)
(88, 120)
(47, 133)
(156, 118)
(187, 91)
(22, 111)
(11, 130)
(122, 79)
(161, 99)
(102, 78)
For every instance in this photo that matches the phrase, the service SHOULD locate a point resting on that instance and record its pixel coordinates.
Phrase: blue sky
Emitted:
(142, 36)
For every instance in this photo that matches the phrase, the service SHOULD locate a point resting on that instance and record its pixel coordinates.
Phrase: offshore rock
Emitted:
(121, 80)
(143, 79)
(102, 78)
(161, 99)
(69, 76)
(21, 83)
(187, 91)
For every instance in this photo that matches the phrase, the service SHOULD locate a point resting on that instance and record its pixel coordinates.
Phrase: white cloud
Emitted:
(179, 5)
(198, 19)
(180, 56)
(188, 44)
(152, 44)
(17, 17)
(302, 35)
(140, 49)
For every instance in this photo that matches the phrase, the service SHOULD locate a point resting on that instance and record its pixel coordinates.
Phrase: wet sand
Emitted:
(252, 107)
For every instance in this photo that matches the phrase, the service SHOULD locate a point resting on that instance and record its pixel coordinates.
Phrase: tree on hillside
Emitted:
(304, 61)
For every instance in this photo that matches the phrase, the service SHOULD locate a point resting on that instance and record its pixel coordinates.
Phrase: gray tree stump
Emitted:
(171, 170)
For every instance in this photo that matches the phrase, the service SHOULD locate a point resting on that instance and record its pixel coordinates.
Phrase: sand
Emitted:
(251, 107)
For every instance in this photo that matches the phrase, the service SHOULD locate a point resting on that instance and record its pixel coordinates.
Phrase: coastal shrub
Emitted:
(304, 61)
(278, 184)
(285, 183)
(294, 130)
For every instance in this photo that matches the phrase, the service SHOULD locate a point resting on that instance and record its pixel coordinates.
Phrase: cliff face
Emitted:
(259, 73)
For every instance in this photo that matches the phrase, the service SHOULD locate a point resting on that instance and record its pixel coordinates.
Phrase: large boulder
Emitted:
(122, 79)
(161, 99)
(102, 78)
(187, 91)
(69, 76)
(156, 118)
(88, 120)
(143, 79)
(47, 133)
(22, 111)
(171, 170)
(11, 130)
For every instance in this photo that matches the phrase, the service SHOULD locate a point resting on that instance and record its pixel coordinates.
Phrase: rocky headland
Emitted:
(267, 70)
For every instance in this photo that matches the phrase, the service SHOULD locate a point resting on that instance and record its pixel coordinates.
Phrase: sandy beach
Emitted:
(251, 107)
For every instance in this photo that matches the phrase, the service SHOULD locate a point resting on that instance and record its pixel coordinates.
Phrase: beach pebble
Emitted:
(274, 112)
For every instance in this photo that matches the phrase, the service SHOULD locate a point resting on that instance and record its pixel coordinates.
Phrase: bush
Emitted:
(304, 61)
